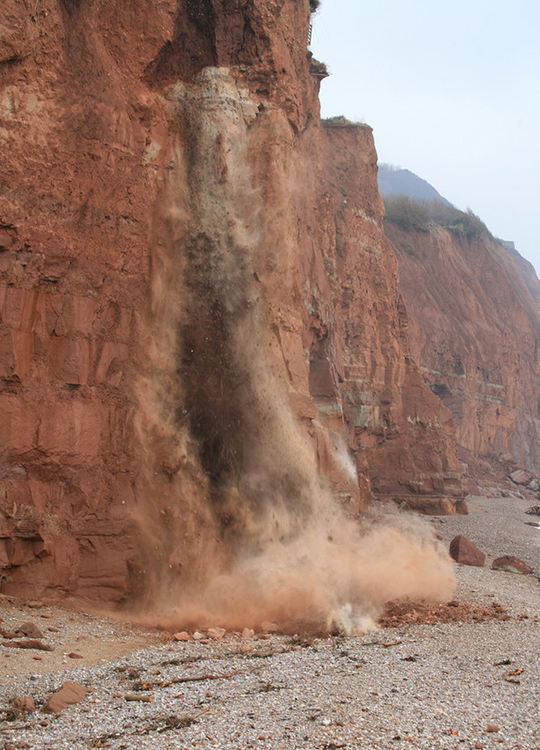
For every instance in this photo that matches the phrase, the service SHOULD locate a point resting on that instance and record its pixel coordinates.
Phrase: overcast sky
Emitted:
(452, 91)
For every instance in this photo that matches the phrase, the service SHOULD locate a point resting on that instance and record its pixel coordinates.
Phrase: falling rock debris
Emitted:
(439, 676)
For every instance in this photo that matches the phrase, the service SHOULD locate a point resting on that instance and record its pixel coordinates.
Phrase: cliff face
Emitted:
(475, 327)
(402, 434)
(193, 321)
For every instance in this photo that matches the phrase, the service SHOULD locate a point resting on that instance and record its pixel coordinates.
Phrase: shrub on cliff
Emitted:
(407, 213)
(340, 121)
(413, 214)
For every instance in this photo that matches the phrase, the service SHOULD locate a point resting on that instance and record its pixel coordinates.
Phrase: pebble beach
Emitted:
(463, 683)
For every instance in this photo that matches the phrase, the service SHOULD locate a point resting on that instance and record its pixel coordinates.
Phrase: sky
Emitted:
(452, 92)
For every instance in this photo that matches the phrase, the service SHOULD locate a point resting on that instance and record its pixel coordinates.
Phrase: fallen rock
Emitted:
(69, 693)
(492, 728)
(506, 457)
(23, 704)
(182, 636)
(29, 644)
(511, 564)
(73, 655)
(247, 634)
(465, 552)
(216, 634)
(30, 630)
(8, 633)
(521, 477)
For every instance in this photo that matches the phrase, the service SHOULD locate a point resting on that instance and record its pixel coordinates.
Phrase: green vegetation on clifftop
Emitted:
(412, 214)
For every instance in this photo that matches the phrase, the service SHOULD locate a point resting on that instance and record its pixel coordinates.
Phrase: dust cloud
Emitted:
(238, 528)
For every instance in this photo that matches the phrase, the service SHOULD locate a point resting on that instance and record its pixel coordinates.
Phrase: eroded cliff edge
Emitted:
(193, 317)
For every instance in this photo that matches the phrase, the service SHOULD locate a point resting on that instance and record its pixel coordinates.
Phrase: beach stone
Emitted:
(247, 634)
(216, 634)
(182, 636)
(23, 703)
(465, 552)
(511, 564)
(69, 693)
(31, 643)
(492, 728)
(30, 630)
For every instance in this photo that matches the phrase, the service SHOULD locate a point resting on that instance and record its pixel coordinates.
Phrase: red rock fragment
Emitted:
(8, 633)
(73, 655)
(23, 703)
(521, 477)
(465, 552)
(30, 630)
(511, 564)
(182, 636)
(69, 693)
(492, 728)
(29, 644)
(216, 634)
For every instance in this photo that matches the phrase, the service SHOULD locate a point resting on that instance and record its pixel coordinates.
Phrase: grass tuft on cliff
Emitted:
(339, 121)
(412, 214)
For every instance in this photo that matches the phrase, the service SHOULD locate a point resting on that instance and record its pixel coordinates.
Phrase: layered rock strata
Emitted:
(475, 330)
(194, 321)
(401, 435)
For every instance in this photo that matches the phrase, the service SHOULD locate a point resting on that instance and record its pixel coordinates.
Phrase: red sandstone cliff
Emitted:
(475, 330)
(192, 317)
(402, 434)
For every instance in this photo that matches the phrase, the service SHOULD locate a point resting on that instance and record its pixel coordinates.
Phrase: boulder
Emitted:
(69, 693)
(521, 477)
(465, 552)
(511, 564)
(30, 630)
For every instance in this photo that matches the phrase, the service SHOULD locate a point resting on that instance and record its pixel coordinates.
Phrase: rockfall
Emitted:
(197, 297)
